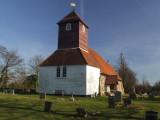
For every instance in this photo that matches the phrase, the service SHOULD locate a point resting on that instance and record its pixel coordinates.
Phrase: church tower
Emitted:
(72, 33)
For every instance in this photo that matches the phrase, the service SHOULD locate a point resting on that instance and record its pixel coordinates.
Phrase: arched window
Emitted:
(64, 72)
(58, 71)
(68, 26)
(83, 28)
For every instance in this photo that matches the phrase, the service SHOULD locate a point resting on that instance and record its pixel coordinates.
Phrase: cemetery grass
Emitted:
(30, 107)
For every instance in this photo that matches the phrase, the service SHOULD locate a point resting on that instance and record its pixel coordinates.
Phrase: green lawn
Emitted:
(30, 107)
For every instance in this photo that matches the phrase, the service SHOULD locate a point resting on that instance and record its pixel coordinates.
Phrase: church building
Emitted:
(74, 67)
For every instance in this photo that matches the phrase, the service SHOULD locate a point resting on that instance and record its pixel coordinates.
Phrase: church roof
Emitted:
(79, 57)
(72, 16)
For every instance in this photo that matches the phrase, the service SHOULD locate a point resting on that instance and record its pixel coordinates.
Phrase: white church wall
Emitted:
(92, 81)
(74, 82)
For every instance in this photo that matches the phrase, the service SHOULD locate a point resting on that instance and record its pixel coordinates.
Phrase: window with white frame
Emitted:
(58, 71)
(68, 26)
(83, 28)
(64, 71)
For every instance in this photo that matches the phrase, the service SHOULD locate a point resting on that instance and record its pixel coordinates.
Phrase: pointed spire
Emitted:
(72, 16)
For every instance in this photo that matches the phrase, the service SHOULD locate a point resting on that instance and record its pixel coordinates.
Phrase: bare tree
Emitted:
(8, 60)
(33, 64)
(128, 76)
(34, 68)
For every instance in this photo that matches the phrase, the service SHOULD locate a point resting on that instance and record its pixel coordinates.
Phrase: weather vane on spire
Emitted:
(73, 4)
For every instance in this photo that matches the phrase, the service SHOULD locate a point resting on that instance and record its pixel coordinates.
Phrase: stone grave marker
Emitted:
(81, 112)
(12, 92)
(151, 96)
(42, 95)
(72, 98)
(5, 91)
(111, 101)
(133, 96)
(118, 96)
(151, 115)
(48, 106)
(127, 101)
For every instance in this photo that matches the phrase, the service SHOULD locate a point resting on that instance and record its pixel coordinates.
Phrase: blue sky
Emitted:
(128, 26)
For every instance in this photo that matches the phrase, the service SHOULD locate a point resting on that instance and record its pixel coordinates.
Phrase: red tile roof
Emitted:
(72, 16)
(65, 57)
(79, 57)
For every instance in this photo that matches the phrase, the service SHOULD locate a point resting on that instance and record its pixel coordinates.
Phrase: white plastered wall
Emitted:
(92, 81)
(74, 82)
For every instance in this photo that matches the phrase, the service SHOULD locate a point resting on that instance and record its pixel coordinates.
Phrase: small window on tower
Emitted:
(58, 71)
(83, 28)
(68, 26)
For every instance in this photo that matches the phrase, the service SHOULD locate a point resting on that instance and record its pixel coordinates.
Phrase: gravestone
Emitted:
(12, 92)
(42, 95)
(5, 91)
(72, 98)
(95, 94)
(151, 96)
(151, 115)
(133, 96)
(111, 101)
(127, 101)
(81, 112)
(118, 96)
(48, 106)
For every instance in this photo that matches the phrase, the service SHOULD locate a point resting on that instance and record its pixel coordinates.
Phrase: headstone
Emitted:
(48, 106)
(95, 94)
(151, 96)
(5, 91)
(145, 94)
(111, 101)
(127, 101)
(118, 96)
(12, 92)
(81, 112)
(133, 96)
(42, 95)
(151, 115)
(72, 98)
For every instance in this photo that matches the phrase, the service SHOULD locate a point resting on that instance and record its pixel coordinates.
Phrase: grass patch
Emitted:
(30, 107)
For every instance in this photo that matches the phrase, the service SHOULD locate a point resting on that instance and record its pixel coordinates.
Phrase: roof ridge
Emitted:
(82, 55)
(72, 16)
(46, 59)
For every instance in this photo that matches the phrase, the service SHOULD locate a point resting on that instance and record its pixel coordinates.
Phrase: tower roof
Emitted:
(72, 16)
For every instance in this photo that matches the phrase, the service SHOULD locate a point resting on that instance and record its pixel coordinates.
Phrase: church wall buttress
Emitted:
(102, 85)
